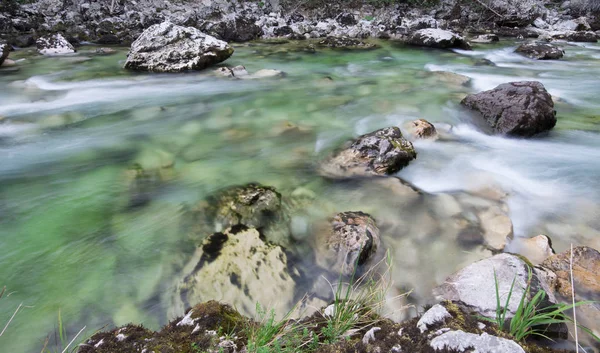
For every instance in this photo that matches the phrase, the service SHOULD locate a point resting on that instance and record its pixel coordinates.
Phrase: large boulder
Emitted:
(516, 108)
(166, 47)
(475, 285)
(540, 51)
(437, 38)
(4, 50)
(381, 152)
(54, 44)
(350, 242)
(237, 266)
(251, 205)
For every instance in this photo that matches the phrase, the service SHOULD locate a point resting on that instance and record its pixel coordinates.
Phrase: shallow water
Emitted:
(72, 127)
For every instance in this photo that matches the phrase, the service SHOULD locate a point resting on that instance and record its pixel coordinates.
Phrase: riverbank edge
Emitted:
(120, 23)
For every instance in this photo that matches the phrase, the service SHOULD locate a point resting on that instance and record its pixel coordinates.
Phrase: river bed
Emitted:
(73, 128)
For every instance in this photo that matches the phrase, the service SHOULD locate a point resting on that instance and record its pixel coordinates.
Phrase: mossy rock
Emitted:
(197, 331)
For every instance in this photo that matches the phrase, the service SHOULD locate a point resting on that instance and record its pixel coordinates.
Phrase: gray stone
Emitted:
(436, 314)
(167, 47)
(469, 342)
(515, 108)
(485, 39)
(540, 51)
(4, 51)
(381, 152)
(475, 284)
(54, 44)
(437, 38)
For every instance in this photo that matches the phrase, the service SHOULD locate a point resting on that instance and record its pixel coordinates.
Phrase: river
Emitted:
(73, 127)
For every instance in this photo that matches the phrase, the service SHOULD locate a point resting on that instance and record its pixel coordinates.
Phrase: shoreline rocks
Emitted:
(167, 47)
(515, 108)
(54, 44)
(381, 152)
(540, 51)
(438, 38)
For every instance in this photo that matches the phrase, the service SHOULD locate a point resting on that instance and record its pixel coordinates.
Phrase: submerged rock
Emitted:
(345, 43)
(239, 267)
(381, 152)
(438, 38)
(475, 285)
(236, 71)
(105, 51)
(251, 205)
(422, 129)
(54, 44)
(540, 51)
(516, 108)
(167, 47)
(536, 249)
(351, 242)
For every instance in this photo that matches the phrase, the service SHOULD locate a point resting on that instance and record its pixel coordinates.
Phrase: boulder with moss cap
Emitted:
(381, 152)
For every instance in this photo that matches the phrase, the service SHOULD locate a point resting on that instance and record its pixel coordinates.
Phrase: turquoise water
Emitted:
(72, 128)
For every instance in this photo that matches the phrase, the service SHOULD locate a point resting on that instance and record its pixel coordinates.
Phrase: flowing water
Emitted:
(72, 128)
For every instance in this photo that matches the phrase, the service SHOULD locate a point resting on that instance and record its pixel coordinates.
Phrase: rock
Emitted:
(237, 71)
(578, 24)
(536, 249)
(238, 267)
(54, 44)
(197, 329)
(586, 272)
(23, 41)
(460, 341)
(8, 63)
(266, 73)
(238, 29)
(109, 39)
(540, 51)
(346, 19)
(474, 286)
(516, 108)
(582, 37)
(381, 152)
(436, 314)
(422, 129)
(452, 78)
(4, 51)
(351, 242)
(497, 227)
(438, 38)
(252, 205)
(167, 47)
(345, 43)
(105, 51)
(485, 39)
